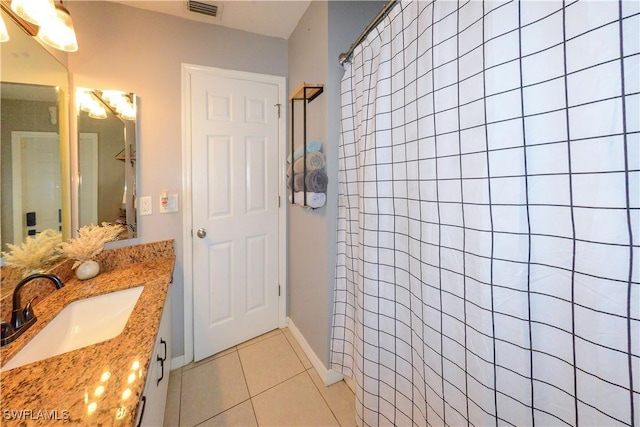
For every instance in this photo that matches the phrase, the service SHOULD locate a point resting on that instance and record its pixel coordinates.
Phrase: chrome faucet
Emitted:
(23, 317)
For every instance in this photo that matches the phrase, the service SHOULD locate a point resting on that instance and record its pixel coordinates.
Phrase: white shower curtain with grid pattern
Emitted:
(487, 268)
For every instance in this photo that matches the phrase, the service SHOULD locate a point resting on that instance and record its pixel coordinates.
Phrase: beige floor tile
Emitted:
(172, 406)
(295, 402)
(209, 359)
(296, 347)
(269, 362)
(241, 415)
(339, 397)
(259, 338)
(211, 388)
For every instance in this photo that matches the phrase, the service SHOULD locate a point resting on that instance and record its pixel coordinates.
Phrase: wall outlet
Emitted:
(146, 207)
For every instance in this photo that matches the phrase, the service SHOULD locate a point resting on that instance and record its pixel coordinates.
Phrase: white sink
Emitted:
(82, 323)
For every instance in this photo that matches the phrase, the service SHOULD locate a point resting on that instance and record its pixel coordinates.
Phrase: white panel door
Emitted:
(234, 139)
(36, 182)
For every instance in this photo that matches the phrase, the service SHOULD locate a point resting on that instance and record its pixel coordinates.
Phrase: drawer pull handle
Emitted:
(144, 404)
(161, 360)
(164, 343)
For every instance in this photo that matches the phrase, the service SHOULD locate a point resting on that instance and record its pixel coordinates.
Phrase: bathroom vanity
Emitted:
(119, 381)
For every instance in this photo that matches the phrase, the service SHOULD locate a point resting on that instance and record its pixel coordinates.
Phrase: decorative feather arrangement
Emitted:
(90, 242)
(35, 253)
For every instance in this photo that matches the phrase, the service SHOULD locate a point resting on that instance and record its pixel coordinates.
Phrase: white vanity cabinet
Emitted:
(152, 402)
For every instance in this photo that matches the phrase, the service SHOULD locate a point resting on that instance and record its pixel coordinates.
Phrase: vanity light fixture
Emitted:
(59, 32)
(87, 101)
(112, 96)
(128, 112)
(35, 11)
(83, 99)
(121, 102)
(4, 35)
(99, 112)
(97, 102)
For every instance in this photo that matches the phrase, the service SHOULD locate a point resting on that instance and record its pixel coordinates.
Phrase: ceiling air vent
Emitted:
(204, 7)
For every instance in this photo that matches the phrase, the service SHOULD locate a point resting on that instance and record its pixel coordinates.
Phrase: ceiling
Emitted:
(266, 17)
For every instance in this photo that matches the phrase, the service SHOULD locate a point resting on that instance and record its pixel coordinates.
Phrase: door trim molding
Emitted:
(187, 222)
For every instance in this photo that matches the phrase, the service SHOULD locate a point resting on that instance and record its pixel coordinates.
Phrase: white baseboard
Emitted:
(177, 362)
(328, 376)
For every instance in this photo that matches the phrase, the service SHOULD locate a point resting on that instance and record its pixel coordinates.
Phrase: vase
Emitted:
(87, 270)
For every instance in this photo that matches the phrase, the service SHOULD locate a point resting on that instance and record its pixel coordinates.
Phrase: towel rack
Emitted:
(306, 93)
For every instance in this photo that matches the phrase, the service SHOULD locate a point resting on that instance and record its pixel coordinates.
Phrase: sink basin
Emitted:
(82, 323)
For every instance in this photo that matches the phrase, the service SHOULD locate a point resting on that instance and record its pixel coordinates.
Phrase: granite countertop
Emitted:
(96, 385)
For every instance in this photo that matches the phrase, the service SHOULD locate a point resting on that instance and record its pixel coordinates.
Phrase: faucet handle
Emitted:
(6, 330)
(28, 310)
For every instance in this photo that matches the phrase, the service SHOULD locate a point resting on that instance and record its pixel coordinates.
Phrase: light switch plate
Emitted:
(171, 205)
(146, 207)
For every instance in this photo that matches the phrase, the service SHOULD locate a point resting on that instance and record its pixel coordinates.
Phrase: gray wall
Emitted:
(138, 51)
(326, 30)
(307, 262)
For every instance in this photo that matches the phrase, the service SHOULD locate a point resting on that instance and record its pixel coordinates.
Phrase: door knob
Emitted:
(201, 233)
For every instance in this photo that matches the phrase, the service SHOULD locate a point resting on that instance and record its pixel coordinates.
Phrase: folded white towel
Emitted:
(314, 200)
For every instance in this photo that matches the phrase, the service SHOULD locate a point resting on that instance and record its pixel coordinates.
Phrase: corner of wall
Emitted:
(329, 376)
(326, 29)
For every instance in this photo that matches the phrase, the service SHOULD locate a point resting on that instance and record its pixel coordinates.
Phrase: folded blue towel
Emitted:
(311, 146)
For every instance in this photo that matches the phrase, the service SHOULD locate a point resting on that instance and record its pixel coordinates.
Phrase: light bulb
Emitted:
(59, 32)
(98, 112)
(4, 34)
(37, 12)
(84, 99)
(128, 112)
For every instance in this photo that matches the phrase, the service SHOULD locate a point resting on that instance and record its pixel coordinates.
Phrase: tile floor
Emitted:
(267, 381)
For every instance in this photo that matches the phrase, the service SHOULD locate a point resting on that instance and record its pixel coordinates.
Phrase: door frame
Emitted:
(92, 139)
(187, 222)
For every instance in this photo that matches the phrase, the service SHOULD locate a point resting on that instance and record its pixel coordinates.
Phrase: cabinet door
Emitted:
(155, 389)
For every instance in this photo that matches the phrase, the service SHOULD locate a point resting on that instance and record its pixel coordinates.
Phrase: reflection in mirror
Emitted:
(34, 156)
(107, 158)
(30, 162)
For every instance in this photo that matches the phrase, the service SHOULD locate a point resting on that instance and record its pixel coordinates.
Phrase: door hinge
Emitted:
(278, 106)
(278, 201)
(278, 289)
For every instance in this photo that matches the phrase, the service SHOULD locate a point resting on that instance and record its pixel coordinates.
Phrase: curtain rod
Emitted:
(344, 57)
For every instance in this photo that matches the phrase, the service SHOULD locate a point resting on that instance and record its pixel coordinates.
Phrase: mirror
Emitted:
(107, 158)
(35, 147)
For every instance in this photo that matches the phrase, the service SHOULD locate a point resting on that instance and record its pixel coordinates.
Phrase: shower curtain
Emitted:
(487, 266)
